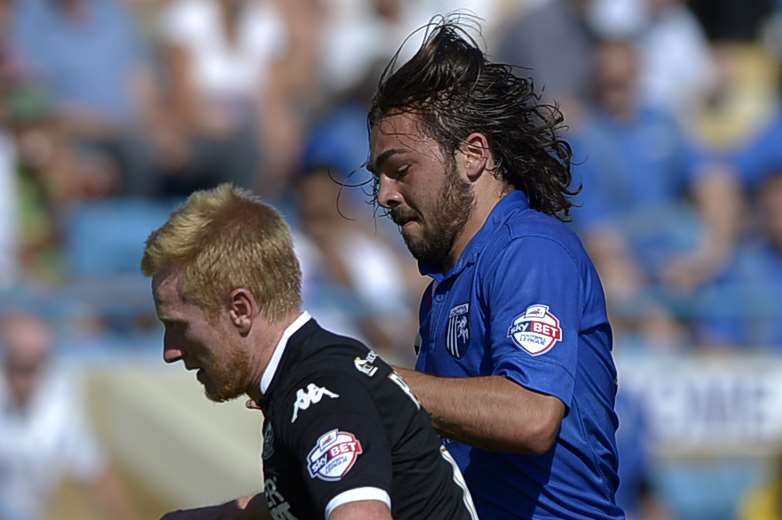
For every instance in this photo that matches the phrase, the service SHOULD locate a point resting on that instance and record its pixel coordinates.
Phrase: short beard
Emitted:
(447, 221)
(227, 380)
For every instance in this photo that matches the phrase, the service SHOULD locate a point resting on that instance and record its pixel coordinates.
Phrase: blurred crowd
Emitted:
(112, 111)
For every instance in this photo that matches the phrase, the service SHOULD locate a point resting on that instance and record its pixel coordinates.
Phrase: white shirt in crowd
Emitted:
(42, 444)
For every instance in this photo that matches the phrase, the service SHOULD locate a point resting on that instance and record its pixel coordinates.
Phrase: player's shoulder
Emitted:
(328, 354)
(534, 231)
(332, 362)
(334, 384)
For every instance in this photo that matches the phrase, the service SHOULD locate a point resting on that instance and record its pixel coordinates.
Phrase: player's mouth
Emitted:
(402, 219)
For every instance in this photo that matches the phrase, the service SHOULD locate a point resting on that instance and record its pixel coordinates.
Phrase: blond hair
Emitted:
(224, 239)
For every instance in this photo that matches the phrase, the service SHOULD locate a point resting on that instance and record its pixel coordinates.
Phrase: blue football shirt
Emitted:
(525, 302)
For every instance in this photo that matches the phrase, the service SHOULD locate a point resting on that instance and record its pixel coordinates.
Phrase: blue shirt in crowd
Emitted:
(761, 156)
(635, 176)
(745, 309)
(89, 62)
(525, 302)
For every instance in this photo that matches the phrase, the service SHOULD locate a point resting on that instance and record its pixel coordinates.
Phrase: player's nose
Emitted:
(387, 195)
(171, 354)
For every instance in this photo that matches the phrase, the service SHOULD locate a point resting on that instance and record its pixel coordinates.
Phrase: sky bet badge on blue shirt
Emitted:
(536, 330)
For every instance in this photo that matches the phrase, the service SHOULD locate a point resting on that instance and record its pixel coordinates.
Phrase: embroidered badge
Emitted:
(536, 330)
(334, 453)
(312, 395)
(458, 332)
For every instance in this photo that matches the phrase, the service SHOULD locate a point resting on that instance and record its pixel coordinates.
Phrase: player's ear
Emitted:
(475, 155)
(242, 308)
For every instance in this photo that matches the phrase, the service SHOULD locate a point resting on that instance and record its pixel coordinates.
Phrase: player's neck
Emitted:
(485, 201)
(269, 336)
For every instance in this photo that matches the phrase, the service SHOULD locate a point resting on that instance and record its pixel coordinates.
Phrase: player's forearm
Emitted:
(718, 197)
(252, 508)
(362, 510)
(243, 508)
(489, 412)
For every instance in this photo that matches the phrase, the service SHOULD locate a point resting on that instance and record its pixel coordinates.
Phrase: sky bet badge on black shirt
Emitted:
(342, 426)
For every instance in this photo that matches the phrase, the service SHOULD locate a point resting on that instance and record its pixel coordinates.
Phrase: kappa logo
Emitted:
(365, 365)
(458, 331)
(313, 395)
(334, 453)
(536, 330)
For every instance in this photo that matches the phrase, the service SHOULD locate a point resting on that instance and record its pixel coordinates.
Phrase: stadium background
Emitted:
(112, 110)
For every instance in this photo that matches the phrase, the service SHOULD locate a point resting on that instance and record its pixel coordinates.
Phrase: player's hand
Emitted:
(243, 508)
(221, 512)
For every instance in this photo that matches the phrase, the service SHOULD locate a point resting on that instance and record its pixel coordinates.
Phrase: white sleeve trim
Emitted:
(354, 495)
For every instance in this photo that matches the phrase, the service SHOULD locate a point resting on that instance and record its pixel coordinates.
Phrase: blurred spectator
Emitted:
(637, 168)
(350, 277)
(675, 66)
(236, 67)
(43, 432)
(752, 283)
(8, 207)
(678, 70)
(637, 494)
(8, 211)
(358, 34)
(732, 20)
(91, 61)
(550, 40)
(760, 156)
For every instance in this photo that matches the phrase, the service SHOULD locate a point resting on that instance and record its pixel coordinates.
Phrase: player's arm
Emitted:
(243, 508)
(336, 433)
(717, 197)
(520, 404)
(362, 510)
(490, 412)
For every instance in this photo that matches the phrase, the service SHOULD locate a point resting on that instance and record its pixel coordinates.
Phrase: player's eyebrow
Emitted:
(377, 164)
(165, 320)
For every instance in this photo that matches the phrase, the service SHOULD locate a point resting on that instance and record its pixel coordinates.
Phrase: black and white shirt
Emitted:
(341, 426)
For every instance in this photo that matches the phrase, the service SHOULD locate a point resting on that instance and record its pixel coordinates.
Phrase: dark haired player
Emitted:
(514, 360)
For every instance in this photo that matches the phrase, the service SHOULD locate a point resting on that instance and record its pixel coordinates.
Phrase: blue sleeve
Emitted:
(534, 294)
(762, 156)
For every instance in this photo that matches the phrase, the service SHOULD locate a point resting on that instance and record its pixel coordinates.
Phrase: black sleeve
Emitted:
(337, 435)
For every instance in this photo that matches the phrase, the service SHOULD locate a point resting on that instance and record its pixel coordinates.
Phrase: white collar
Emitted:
(271, 368)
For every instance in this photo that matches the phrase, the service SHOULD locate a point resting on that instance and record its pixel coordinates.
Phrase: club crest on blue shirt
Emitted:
(458, 333)
(536, 330)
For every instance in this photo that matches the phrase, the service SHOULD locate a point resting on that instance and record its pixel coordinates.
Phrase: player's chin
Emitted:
(414, 239)
(220, 393)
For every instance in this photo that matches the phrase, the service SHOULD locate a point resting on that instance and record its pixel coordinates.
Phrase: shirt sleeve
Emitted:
(337, 435)
(534, 293)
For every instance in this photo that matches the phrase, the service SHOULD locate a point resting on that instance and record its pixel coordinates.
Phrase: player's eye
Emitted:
(401, 171)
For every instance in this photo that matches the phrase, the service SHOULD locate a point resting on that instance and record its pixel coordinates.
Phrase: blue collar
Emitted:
(512, 202)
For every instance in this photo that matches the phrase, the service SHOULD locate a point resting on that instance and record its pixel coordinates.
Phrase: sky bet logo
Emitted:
(333, 455)
(536, 330)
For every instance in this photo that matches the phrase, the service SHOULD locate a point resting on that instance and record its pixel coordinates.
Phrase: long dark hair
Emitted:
(454, 90)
